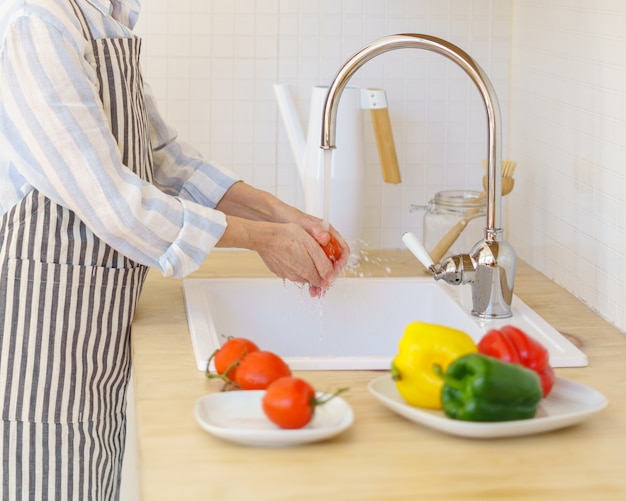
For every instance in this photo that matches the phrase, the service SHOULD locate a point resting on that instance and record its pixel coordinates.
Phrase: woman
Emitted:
(94, 189)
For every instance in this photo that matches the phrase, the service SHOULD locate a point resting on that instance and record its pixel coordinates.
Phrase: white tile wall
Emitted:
(213, 63)
(568, 130)
(558, 68)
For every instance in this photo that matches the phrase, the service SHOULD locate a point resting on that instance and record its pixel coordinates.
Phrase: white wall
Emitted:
(213, 63)
(568, 130)
(557, 65)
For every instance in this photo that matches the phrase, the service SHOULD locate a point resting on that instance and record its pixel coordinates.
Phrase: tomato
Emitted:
(260, 368)
(228, 356)
(332, 249)
(289, 402)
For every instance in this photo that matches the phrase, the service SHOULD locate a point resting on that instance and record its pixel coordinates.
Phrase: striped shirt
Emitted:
(54, 137)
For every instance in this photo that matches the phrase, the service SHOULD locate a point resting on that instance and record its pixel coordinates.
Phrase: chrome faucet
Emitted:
(490, 265)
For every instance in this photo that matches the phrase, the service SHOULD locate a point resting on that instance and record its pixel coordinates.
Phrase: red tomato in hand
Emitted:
(228, 356)
(289, 402)
(332, 249)
(260, 368)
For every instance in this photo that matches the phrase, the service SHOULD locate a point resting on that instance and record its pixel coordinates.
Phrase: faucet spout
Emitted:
(493, 258)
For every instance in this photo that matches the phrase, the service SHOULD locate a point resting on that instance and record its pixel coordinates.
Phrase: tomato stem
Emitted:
(208, 362)
(224, 377)
(321, 401)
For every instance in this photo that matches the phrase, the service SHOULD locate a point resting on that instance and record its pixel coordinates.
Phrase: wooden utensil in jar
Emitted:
(439, 251)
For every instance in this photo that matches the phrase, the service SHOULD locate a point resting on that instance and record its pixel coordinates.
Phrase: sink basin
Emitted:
(356, 325)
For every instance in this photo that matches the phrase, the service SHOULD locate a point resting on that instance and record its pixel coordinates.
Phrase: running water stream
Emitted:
(328, 158)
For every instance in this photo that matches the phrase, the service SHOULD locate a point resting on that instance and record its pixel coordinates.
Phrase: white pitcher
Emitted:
(347, 178)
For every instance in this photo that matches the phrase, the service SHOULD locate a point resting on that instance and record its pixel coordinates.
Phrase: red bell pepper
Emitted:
(513, 345)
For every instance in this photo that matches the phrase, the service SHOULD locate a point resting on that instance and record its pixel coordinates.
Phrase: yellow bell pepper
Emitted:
(421, 347)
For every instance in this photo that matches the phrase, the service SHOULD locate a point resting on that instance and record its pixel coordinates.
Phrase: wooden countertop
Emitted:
(382, 456)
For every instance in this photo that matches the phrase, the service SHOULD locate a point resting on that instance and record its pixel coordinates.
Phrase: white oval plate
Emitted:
(567, 404)
(238, 416)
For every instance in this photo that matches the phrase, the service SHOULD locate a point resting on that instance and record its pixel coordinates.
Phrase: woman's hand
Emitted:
(288, 250)
(322, 237)
(317, 231)
(292, 253)
(288, 240)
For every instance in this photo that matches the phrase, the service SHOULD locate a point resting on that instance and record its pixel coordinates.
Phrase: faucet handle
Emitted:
(455, 270)
(415, 246)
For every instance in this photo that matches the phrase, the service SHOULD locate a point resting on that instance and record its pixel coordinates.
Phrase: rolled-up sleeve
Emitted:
(55, 138)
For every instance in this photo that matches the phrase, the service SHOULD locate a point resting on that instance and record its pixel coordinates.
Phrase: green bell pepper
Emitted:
(478, 387)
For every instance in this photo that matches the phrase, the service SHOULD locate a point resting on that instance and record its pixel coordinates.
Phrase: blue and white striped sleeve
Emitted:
(179, 168)
(61, 145)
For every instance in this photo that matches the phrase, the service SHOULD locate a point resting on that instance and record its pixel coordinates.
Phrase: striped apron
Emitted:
(67, 300)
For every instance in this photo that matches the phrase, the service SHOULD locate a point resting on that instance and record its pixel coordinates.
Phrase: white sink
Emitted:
(356, 325)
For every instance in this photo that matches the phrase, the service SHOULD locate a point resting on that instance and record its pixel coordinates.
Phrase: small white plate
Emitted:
(568, 403)
(238, 416)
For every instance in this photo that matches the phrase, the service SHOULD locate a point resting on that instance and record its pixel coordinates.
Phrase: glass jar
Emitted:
(449, 209)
